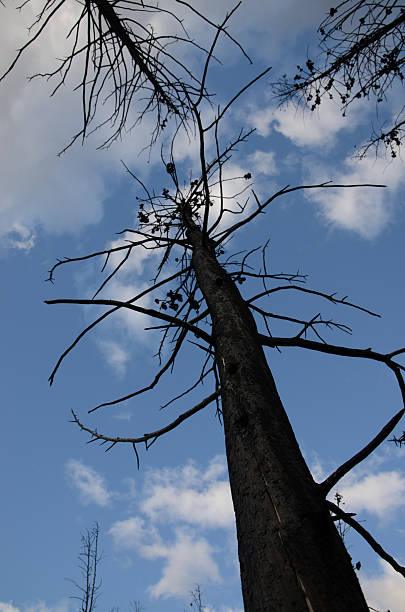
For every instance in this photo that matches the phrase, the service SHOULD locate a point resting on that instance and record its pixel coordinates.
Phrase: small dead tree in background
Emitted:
(205, 295)
(89, 558)
(89, 586)
(362, 45)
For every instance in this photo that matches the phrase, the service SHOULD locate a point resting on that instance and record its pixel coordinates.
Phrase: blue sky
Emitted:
(170, 525)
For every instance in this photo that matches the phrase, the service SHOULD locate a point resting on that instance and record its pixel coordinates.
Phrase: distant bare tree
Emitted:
(196, 599)
(362, 56)
(89, 558)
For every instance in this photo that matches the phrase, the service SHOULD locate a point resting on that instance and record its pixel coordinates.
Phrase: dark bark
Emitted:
(291, 556)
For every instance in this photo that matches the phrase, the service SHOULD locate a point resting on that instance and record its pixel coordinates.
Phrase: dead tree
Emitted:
(291, 555)
(89, 558)
(361, 56)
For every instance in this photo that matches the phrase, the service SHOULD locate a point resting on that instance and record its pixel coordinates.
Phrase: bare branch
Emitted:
(156, 379)
(348, 518)
(148, 438)
(332, 349)
(341, 471)
(327, 296)
(146, 311)
(223, 235)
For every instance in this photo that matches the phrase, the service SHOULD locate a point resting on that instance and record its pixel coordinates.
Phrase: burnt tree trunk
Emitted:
(291, 556)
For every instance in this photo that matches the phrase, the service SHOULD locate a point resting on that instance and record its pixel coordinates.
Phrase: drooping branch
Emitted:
(147, 438)
(348, 518)
(341, 471)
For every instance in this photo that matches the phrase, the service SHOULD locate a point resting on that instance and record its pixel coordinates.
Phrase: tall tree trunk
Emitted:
(291, 556)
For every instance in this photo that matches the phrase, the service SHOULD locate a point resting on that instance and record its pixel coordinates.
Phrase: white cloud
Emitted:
(8, 607)
(188, 560)
(132, 533)
(90, 485)
(209, 507)
(379, 494)
(305, 128)
(364, 210)
(190, 496)
(384, 591)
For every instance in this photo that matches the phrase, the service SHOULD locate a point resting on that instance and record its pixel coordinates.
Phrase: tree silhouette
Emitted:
(291, 555)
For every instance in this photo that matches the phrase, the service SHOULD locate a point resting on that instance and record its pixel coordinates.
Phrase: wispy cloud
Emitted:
(89, 484)
(20, 237)
(263, 162)
(8, 607)
(116, 356)
(364, 210)
(39, 606)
